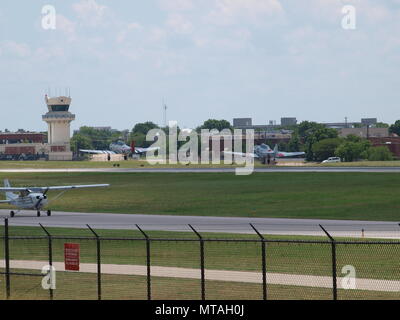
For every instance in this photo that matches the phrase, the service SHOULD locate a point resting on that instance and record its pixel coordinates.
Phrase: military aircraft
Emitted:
(35, 198)
(265, 153)
(120, 147)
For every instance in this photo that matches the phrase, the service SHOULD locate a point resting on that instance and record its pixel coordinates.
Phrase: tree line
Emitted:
(316, 140)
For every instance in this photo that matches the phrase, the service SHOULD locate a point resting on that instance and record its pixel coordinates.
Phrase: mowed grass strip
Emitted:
(371, 261)
(362, 196)
(81, 286)
(137, 164)
(132, 164)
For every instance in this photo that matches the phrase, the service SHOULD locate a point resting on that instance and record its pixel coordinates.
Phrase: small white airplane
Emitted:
(120, 147)
(263, 152)
(35, 198)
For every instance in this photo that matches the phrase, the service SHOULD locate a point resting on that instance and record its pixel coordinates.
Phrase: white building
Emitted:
(58, 120)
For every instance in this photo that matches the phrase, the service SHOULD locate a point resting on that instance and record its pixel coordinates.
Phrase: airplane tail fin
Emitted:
(276, 149)
(9, 195)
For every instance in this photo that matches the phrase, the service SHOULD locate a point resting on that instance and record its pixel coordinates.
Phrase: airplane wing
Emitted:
(43, 189)
(97, 151)
(251, 155)
(144, 150)
(289, 154)
(5, 201)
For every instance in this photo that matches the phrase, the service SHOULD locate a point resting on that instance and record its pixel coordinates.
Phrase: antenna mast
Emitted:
(165, 113)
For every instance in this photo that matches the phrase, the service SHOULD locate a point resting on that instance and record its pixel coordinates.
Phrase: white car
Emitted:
(332, 160)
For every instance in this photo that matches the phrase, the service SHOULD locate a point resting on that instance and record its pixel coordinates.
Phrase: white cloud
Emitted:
(90, 12)
(228, 12)
(170, 63)
(375, 13)
(67, 27)
(126, 30)
(157, 35)
(49, 53)
(176, 5)
(179, 24)
(20, 50)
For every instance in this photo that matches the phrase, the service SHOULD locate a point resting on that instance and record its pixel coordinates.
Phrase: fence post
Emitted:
(202, 266)
(334, 275)
(50, 250)
(7, 257)
(98, 247)
(148, 262)
(264, 264)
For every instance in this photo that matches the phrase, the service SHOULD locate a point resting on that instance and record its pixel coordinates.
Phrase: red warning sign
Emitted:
(71, 256)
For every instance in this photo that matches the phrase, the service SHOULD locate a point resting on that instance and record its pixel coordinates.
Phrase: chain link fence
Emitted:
(33, 265)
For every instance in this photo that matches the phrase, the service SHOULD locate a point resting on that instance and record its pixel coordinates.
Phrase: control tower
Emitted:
(58, 120)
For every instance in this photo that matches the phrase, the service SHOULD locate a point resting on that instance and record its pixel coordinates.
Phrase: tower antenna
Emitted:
(165, 113)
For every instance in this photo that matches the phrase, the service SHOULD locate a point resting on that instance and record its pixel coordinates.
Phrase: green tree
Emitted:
(381, 153)
(283, 146)
(381, 125)
(395, 128)
(294, 143)
(144, 127)
(100, 139)
(139, 139)
(139, 132)
(351, 151)
(79, 141)
(211, 124)
(353, 138)
(311, 133)
(325, 148)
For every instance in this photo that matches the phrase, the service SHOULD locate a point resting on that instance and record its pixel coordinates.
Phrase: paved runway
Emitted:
(209, 170)
(209, 224)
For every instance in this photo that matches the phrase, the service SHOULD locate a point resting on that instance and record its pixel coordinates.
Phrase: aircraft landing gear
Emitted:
(48, 213)
(38, 213)
(12, 214)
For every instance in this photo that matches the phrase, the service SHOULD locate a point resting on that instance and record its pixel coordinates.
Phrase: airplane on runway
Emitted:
(35, 198)
(120, 147)
(265, 153)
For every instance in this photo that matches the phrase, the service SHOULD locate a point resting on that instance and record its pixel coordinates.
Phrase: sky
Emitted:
(221, 59)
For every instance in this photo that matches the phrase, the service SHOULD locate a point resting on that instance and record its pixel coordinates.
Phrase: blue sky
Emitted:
(264, 59)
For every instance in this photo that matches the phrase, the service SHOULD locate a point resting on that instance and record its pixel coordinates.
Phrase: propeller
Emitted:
(40, 201)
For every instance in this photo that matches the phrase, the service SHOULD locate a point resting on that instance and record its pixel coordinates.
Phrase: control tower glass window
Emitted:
(59, 108)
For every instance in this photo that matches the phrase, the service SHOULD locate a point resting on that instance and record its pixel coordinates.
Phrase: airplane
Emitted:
(265, 153)
(35, 198)
(120, 147)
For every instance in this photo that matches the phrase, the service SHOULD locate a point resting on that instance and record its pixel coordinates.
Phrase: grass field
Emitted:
(373, 261)
(363, 164)
(363, 196)
(144, 164)
(72, 286)
(370, 261)
(103, 164)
